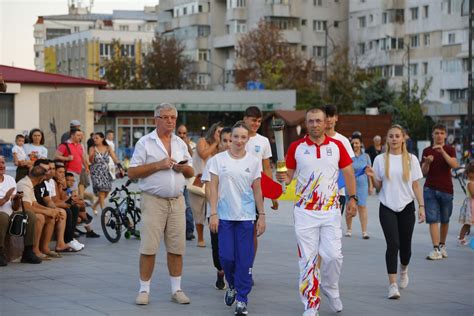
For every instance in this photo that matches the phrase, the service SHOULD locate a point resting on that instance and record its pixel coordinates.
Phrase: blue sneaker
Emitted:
(230, 295)
(241, 309)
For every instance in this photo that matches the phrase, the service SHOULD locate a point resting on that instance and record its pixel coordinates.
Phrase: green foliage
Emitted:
(121, 71)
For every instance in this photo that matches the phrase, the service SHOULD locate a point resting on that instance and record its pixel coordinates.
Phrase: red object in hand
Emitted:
(270, 189)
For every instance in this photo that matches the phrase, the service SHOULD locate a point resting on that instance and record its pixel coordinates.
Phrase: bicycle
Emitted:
(123, 216)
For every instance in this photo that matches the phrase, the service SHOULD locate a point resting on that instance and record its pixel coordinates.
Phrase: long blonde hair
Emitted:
(406, 160)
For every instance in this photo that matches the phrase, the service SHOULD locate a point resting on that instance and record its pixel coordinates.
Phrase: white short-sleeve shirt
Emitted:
(396, 193)
(51, 187)
(236, 201)
(38, 152)
(20, 153)
(163, 183)
(259, 146)
(7, 184)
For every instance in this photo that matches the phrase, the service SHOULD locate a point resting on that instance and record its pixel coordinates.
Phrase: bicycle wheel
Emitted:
(111, 224)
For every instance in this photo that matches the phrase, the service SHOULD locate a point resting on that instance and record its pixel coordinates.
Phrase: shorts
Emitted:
(84, 179)
(163, 218)
(438, 206)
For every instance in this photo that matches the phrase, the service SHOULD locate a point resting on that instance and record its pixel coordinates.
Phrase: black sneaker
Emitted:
(220, 283)
(30, 257)
(241, 308)
(3, 260)
(92, 234)
(229, 297)
(190, 236)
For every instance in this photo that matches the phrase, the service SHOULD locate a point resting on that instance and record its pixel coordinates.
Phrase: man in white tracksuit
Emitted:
(315, 161)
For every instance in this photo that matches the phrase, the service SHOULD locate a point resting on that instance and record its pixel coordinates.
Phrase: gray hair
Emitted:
(164, 106)
(377, 137)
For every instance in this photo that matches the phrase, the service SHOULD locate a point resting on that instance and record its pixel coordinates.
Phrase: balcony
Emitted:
(189, 20)
(292, 36)
(229, 40)
(197, 43)
(278, 10)
(236, 14)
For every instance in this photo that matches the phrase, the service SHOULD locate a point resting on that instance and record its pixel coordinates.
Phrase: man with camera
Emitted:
(10, 202)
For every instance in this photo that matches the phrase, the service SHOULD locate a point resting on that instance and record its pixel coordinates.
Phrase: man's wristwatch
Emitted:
(354, 197)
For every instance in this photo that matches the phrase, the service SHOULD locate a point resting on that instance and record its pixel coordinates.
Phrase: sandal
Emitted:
(68, 249)
(44, 257)
(53, 254)
(201, 244)
(348, 233)
(365, 235)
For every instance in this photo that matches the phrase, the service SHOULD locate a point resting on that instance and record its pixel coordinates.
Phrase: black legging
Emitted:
(398, 230)
(215, 251)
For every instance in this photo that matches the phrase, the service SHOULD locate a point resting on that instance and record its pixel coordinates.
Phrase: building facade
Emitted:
(77, 43)
(419, 41)
(212, 29)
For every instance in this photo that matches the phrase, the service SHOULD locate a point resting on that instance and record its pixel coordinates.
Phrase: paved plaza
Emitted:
(103, 278)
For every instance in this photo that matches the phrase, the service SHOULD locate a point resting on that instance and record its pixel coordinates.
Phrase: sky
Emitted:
(17, 18)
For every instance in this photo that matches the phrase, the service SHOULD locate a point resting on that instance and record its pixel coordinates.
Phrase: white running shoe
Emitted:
(435, 254)
(393, 292)
(442, 249)
(404, 279)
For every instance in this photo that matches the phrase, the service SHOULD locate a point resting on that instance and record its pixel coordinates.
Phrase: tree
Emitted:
(346, 81)
(410, 114)
(166, 65)
(375, 93)
(121, 72)
(263, 55)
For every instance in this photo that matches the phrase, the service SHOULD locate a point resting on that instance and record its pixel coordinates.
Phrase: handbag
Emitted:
(197, 187)
(18, 222)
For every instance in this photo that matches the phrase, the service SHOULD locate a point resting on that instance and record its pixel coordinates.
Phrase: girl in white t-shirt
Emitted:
(395, 174)
(234, 192)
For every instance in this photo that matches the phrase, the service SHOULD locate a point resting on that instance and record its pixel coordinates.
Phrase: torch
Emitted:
(278, 125)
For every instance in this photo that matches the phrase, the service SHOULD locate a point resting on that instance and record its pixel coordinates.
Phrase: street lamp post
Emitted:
(469, 90)
(223, 72)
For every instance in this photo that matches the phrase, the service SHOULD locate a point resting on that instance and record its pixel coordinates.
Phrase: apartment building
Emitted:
(77, 43)
(211, 30)
(419, 40)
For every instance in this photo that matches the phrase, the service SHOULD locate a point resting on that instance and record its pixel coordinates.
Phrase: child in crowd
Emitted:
(466, 215)
(20, 158)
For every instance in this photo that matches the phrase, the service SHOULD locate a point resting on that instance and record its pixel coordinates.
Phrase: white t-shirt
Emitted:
(7, 184)
(20, 153)
(51, 187)
(345, 141)
(259, 146)
(236, 201)
(396, 193)
(39, 152)
(111, 144)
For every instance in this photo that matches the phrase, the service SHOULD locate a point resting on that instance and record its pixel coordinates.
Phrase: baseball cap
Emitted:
(74, 123)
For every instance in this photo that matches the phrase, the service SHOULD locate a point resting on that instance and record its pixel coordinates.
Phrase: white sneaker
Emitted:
(434, 255)
(404, 279)
(348, 233)
(443, 251)
(77, 246)
(334, 303)
(79, 243)
(393, 292)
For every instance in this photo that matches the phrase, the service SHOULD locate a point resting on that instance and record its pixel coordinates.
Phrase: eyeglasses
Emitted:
(166, 118)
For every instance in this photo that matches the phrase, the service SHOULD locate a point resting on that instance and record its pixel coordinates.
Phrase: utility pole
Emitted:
(409, 87)
(469, 91)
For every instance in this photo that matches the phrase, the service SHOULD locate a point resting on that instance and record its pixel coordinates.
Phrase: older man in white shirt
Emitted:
(162, 162)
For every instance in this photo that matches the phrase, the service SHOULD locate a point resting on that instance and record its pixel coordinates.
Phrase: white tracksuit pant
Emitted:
(318, 233)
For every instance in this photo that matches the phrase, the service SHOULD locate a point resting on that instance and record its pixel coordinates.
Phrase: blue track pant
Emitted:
(236, 255)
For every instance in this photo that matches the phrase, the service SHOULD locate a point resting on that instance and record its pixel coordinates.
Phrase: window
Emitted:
(318, 3)
(37, 54)
(414, 69)
(441, 93)
(203, 54)
(414, 13)
(76, 29)
(425, 68)
(362, 22)
(398, 71)
(457, 94)
(426, 11)
(318, 51)
(123, 27)
(384, 18)
(451, 38)
(319, 26)
(362, 48)
(426, 39)
(414, 41)
(53, 33)
(303, 22)
(400, 43)
(371, 45)
(203, 79)
(371, 18)
(233, 4)
(7, 110)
